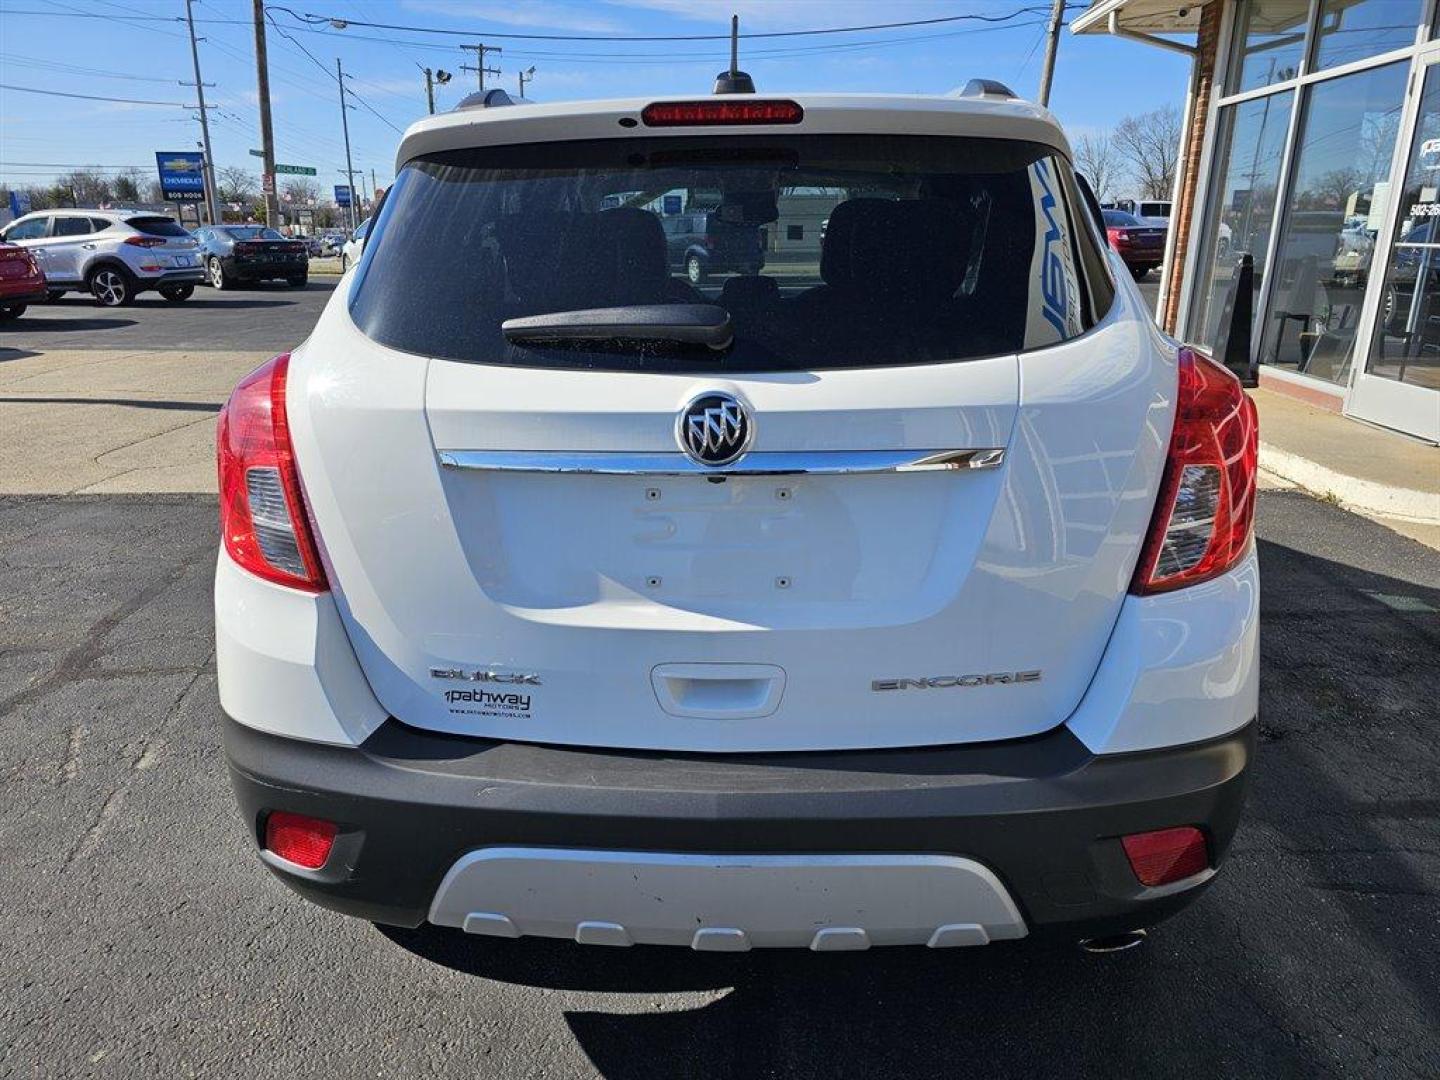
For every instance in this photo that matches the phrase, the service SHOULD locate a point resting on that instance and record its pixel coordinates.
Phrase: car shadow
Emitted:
(197, 301)
(40, 324)
(133, 403)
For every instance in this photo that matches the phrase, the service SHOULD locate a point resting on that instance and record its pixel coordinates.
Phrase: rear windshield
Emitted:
(252, 232)
(157, 226)
(1120, 217)
(825, 251)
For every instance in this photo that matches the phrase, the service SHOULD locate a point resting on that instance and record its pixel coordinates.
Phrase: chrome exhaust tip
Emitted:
(1113, 943)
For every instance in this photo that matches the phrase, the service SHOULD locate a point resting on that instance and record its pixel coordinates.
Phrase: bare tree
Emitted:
(237, 185)
(1098, 161)
(82, 187)
(301, 192)
(1150, 145)
(1331, 190)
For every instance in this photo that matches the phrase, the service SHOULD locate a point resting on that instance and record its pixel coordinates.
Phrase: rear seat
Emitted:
(892, 270)
(565, 260)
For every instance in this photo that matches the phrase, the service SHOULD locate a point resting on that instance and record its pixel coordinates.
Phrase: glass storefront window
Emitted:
(1337, 201)
(1406, 346)
(1355, 29)
(1250, 143)
(1269, 43)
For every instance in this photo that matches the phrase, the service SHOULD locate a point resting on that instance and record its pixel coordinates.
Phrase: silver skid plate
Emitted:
(727, 903)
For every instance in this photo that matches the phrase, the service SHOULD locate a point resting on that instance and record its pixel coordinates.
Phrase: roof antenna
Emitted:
(734, 81)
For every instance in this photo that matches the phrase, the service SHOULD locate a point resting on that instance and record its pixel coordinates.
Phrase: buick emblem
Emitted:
(714, 429)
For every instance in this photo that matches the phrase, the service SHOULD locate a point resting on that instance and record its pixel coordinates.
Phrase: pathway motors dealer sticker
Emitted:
(505, 701)
(509, 704)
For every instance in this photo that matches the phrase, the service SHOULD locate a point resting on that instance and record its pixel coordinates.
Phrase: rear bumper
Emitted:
(1043, 814)
(191, 276)
(27, 292)
(254, 270)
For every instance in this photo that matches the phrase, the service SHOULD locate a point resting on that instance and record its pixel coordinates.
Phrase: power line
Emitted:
(281, 31)
(671, 57)
(74, 69)
(93, 97)
(341, 23)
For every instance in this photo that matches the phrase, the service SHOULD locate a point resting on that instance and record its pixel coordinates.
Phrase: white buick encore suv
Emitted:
(902, 592)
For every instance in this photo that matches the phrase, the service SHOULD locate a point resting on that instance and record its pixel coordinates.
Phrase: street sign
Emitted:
(672, 204)
(342, 195)
(182, 176)
(257, 153)
(295, 170)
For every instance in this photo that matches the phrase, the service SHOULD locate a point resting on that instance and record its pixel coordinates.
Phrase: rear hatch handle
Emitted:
(685, 324)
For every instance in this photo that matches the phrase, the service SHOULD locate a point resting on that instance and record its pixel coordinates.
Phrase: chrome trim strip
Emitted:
(758, 463)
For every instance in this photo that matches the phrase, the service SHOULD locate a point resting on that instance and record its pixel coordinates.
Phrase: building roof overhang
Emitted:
(1139, 16)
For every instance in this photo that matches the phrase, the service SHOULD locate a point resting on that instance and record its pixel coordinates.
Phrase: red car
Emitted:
(22, 281)
(1140, 244)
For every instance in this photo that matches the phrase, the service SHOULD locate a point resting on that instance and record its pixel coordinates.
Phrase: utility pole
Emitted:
(374, 184)
(1052, 42)
(526, 76)
(345, 123)
(208, 166)
(480, 69)
(267, 132)
(432, 78)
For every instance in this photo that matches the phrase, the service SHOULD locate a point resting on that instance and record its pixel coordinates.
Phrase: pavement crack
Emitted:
(75, 664)
(70, 767)
(89, 840)
(98, 459)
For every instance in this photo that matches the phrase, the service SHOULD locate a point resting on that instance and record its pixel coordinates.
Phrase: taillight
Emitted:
(145, 241)
(262, 513)
(1205, 513)
(1119, 234)
(1166, 855)
(700, 113)
(304, 841)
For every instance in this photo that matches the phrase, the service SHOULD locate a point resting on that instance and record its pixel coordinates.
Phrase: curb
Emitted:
(1363, 496)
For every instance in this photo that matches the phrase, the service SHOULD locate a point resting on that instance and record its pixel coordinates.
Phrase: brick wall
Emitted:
(1185, 212)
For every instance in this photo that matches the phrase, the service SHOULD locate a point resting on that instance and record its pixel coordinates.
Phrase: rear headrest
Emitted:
(563, 259)
(907, 247)
(632, 243)
(749, 290)
(533, 244)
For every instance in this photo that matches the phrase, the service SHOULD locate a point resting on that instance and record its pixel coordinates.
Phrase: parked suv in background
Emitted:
(908, 598)
(353, 246)
(112, 254)
(700, 244)
(249, 253)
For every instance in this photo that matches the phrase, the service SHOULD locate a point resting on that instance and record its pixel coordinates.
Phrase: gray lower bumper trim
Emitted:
(727, 903)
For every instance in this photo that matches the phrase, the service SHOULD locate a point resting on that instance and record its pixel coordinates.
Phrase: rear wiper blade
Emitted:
(685, 324)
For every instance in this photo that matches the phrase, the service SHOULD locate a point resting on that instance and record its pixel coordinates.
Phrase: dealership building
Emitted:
(1311, 143)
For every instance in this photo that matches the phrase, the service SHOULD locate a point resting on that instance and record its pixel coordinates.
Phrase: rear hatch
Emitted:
(169, 241)
(926, 533)
(265, 246)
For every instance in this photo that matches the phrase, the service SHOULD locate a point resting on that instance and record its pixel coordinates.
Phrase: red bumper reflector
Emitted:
(697, 113)
(304, 841)
(1167, 855)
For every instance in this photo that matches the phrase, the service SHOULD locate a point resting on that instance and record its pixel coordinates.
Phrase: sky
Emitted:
(140, 50)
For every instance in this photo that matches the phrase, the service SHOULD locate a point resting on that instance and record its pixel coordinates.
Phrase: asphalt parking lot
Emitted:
(271, 316)
(143, 938)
